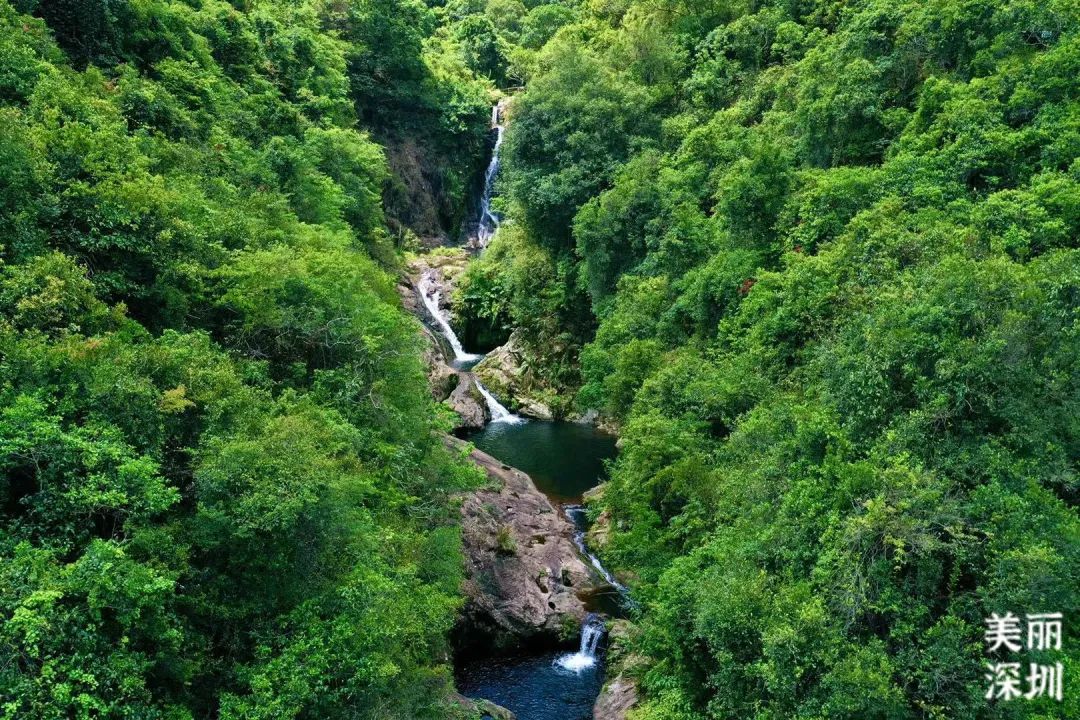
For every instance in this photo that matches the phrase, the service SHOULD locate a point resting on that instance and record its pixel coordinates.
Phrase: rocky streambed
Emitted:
(532, 588)
(524, 574)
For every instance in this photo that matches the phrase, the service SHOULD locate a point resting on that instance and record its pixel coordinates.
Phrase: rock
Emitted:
(483, 708)
(468, 403)
(620, 692)
(449, 264)
(493, 711)
(407, 291)
(523, 571)
(502, 373)
(455, 387)
(616, 699)
(594, 494)
(590, 417)
(442, 379)
(600, 532)
(417, 198)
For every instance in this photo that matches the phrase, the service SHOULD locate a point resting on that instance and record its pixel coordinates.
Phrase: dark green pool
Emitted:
(564, 459)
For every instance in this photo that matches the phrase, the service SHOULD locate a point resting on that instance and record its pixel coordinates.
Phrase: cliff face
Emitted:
(523, 570)
(429, 193)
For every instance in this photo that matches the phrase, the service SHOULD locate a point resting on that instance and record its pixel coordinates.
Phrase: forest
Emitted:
(816, 262)
(223, 491)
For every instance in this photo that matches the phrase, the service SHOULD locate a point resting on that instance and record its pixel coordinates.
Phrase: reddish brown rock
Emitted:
(523, 570)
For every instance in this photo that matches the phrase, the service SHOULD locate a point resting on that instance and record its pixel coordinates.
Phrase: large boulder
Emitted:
(503, 373)
(468, 403)
(523, 571)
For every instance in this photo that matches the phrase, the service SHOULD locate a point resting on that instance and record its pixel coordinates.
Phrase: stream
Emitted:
(564, 460)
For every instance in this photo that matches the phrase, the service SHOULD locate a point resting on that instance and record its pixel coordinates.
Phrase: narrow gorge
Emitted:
(534, 591)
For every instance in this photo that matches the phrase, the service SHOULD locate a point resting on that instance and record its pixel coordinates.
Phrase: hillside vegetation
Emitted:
(818, 260)
(222, 491)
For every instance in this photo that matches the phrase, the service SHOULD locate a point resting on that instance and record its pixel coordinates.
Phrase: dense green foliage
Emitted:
(223, 493)
(819, 261)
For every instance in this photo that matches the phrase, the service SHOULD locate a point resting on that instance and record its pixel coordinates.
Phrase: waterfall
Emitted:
(431, 294)
(498, 412)
(431, 291)
(576, 513)
(489, 221)
(593, 628)
(591, 632)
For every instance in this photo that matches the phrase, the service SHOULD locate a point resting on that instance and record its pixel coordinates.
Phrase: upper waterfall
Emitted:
(488, 222)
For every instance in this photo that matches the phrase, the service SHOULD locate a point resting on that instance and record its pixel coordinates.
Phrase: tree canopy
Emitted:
(223, 492)
(818, 262)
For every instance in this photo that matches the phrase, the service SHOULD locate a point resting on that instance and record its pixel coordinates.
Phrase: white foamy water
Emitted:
(431, 295)
(591, 632)
(499, 413)
(488, 222)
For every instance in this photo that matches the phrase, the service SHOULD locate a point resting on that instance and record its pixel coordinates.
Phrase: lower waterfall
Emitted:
(592, 630)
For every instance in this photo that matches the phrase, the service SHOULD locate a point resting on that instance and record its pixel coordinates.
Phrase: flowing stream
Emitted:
(431, 290)
(576, 513)
(431, 294)
(564, 460)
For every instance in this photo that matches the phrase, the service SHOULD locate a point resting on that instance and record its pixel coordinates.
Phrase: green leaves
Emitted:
(830, 251)
(218, 459)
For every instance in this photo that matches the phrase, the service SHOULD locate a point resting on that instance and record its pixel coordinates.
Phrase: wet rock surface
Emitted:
(620, 692)
(468, 403)
(523, 570)
(503, 372)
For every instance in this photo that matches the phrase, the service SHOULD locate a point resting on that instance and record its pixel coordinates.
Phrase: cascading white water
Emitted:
(431, 291)
(431, 294)
(498, 412)
(593, 628)
(489, 221)
(576, 513)
(591, 632)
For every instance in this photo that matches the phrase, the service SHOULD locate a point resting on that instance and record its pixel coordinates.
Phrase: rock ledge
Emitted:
(523, 572)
